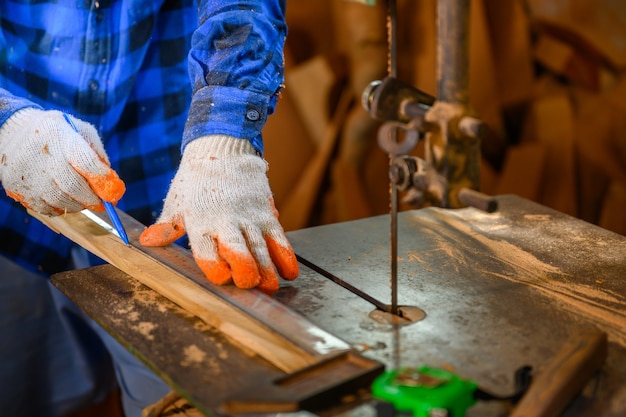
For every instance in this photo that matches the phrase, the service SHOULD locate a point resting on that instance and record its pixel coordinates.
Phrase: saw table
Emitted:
(479, 293)
(498, 291)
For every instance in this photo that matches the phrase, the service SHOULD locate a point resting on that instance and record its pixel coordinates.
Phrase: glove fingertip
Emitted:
(108, 187)
(99, 208)
(243, 266)
(218, 272)
(245, 274)
(17, 197)
(269, 281)
(161, 234)
(284, 259)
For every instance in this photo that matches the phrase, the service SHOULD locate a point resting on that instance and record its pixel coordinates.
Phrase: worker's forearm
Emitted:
(236, 67)
(9, 104)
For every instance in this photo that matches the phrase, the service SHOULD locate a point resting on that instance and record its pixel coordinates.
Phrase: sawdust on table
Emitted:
(193, 356)
(604, 307)
(145, 328)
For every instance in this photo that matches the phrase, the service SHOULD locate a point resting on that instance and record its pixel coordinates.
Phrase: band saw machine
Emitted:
(390, 313)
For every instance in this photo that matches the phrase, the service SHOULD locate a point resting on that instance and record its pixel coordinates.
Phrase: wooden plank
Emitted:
(243, 330)
(483, 88)
(523, 170)
(509, 29)
(192, 357)
(565, 375)
(613, 215)
(554, 129)
(288, 147)
(310, 84)
(350, 200)
(553, 53)
(593, 27)
(597, 161)
(295, 213)
(198, 361)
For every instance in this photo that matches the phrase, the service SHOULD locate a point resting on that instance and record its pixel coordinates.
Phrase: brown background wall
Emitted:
(546, 76)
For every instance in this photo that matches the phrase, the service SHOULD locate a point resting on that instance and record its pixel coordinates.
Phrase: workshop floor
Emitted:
(110, 407)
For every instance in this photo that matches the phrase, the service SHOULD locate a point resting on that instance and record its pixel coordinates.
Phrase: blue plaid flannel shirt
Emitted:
(151, 75)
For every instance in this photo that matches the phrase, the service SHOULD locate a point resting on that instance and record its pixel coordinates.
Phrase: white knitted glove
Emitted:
(50, 168)
(221, 198)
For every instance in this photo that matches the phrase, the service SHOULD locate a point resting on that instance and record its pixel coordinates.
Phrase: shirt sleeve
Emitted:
(236, 68)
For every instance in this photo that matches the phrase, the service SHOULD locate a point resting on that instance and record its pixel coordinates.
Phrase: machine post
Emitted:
(453, 151)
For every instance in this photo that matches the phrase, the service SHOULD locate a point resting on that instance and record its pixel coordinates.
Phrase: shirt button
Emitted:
(93, 85)
(252, 115)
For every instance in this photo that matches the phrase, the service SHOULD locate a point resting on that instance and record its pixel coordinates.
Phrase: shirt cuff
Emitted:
(9, 104)
(228, 111)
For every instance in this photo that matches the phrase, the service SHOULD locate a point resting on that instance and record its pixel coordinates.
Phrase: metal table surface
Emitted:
(499, 290)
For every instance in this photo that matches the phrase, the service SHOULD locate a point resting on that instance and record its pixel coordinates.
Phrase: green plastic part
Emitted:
(366, 2)
(423, 391)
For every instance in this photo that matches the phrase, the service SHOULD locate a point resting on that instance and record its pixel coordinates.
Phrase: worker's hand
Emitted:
(52, 169)
(221, 198)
